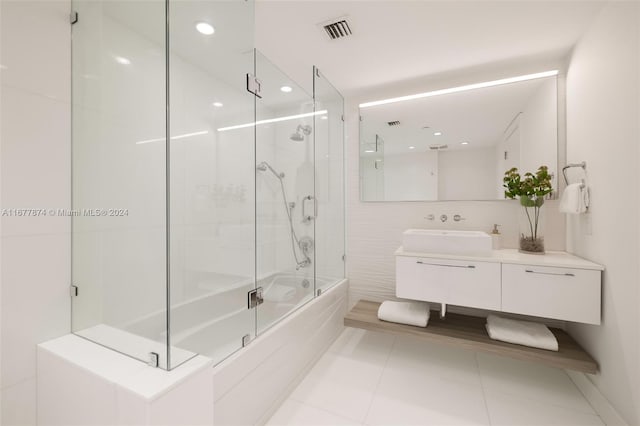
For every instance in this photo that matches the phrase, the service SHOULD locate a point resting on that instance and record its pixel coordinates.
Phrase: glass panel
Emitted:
(212, 174)
(119, 252)
(329, 153)
(284, 194)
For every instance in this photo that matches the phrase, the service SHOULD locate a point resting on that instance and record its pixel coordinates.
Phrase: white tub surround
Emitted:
(556, 285)
(82, 383)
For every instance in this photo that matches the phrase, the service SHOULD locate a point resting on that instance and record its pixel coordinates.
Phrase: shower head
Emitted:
(298, 136)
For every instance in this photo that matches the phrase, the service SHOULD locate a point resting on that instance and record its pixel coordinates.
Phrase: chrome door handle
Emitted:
(566, 274)
(448, 266)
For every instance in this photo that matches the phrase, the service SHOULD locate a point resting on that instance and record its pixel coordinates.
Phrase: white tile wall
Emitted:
(34, 173)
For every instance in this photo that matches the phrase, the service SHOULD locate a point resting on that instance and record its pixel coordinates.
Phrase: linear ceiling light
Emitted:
(272, 120)
(461, 88)
(186, 135)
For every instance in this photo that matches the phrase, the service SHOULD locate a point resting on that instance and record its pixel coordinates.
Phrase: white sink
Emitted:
(446, 241)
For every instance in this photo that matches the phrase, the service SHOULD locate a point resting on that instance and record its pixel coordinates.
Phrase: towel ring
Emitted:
(582, 165)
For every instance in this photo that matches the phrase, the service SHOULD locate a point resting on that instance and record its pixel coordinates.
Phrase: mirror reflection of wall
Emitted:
(457, 146)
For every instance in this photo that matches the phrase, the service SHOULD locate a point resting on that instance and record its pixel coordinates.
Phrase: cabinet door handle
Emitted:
(566, 274)
(444, 264)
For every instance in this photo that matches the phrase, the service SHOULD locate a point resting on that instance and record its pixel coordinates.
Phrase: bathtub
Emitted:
(245, 388)
(213, 323)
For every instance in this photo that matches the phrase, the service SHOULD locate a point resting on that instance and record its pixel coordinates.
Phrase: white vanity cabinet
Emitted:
(567, 294)
(456, 282)
(556, 285)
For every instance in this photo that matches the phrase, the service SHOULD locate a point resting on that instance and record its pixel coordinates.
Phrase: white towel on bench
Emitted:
(524, 333)
(411, 313)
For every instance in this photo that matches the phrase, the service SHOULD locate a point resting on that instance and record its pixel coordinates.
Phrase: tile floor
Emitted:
(369, 378)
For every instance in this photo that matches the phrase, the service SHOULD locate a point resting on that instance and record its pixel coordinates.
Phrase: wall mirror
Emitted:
(457, 146)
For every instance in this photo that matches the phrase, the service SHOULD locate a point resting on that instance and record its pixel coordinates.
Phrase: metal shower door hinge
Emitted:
(253, 85)
(246, 339)
(154, 359)
(255, 298)
(73, 18)
(73, 290)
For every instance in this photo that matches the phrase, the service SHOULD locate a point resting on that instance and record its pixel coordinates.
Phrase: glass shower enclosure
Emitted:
(207, 186)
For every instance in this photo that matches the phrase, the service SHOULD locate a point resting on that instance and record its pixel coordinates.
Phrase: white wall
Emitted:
(603, 119)
(35, 164)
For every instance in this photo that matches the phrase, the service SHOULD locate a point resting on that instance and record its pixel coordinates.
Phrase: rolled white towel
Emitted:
(279, 293)
(575, 199)
(524, 333)
(411, 313)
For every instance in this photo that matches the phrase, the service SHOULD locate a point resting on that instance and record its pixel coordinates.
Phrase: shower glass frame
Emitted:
(151, 107)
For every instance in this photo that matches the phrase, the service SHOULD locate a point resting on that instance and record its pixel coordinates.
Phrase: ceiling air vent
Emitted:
(338, 28)
(393, 123)
(437, 147)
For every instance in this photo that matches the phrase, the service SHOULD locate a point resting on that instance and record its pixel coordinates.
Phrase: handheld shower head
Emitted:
(264, 166)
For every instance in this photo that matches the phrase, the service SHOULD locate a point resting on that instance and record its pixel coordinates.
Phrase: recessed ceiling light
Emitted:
(324, 117)
(205, 28)
(122, 60)
(464, 143)
(369, 150)
(412, 147)
(437, 134)
(218, 104)
(286, 89)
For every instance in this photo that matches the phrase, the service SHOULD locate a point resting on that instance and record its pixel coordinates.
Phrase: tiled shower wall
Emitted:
(34, 155)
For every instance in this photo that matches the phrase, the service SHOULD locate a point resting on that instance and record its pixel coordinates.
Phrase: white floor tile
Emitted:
(426, 359)
(296, 413)
(376, 379)
(363, 345)
(403, 398)
(508, 410)
(341, 385)
(532, 381)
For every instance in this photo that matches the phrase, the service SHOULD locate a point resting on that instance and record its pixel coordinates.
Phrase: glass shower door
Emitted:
(285, 199)
(212, 170)
(329, 186)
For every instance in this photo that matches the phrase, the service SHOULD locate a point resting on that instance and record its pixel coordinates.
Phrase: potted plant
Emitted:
(531, 190)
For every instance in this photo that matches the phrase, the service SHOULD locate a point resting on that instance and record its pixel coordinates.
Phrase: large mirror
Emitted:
(457, 146)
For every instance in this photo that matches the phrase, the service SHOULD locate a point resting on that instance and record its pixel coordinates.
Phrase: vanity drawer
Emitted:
(560, 293)
(456, 282)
